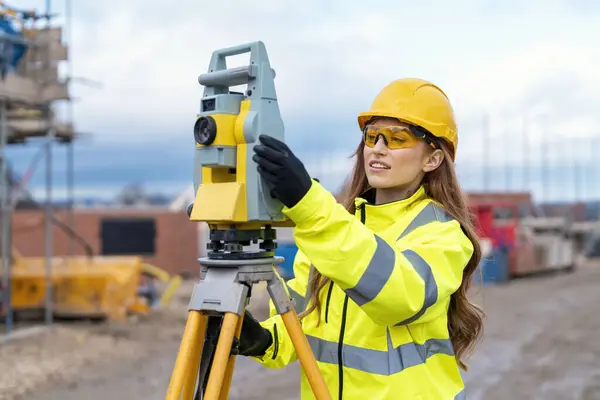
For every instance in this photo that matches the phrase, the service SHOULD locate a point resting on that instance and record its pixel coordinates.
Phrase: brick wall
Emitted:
(176, 243)
(500, 197)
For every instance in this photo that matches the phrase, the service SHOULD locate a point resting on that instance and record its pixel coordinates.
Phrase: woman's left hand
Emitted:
(282, 170)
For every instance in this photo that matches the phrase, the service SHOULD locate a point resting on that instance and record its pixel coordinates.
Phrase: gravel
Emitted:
(540, 343)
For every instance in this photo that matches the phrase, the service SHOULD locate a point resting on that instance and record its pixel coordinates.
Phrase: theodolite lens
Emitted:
(205, 130)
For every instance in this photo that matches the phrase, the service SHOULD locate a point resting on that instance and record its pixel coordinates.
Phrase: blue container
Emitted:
(494, 268)
(288, 252)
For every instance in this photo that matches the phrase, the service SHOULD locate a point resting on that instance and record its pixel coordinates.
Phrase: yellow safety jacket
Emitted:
(384, 326)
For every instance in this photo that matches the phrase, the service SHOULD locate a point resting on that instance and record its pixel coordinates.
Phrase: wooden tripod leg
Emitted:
(231, 364)
(189, 383)
(305, 355)
(222, 352)
(195, 328)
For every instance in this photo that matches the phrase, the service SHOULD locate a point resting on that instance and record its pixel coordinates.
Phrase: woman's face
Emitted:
(398, 168)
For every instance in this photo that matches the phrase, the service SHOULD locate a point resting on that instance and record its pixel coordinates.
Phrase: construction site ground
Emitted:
(541, 342)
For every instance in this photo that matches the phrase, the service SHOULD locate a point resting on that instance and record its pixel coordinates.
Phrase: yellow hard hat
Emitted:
(417, 102)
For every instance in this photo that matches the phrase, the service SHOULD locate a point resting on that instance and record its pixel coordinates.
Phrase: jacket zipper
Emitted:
(363, 213)
(363, 219)
(340, 346)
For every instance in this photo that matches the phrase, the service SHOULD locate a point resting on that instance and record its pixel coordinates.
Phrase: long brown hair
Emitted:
(465, 319)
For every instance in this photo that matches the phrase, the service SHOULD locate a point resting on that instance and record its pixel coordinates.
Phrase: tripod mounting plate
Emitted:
(210, 262)
(224, 285)
(239, 255)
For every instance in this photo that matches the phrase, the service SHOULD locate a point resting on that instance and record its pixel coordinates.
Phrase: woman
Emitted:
(381, 280)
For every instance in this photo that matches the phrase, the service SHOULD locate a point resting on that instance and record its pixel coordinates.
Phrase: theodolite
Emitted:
(233, 200)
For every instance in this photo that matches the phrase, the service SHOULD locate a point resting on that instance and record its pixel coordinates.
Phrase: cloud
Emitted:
(332, 62)
(527, 65)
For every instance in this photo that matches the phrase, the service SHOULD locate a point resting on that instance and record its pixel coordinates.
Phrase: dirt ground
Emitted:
(541, 342)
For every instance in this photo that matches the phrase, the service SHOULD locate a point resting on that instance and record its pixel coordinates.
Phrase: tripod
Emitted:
(216, 312)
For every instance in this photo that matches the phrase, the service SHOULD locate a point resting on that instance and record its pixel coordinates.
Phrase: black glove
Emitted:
(282, 170)
(254, 339)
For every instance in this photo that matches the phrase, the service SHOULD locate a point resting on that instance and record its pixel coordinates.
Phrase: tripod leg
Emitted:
(231, 364)
(208, 352)
(189, 383)
(305, 355)
(285, 307)
(195, 329)
(219, 365)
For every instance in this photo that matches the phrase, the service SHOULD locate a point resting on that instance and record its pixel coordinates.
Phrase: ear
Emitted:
(433, 160)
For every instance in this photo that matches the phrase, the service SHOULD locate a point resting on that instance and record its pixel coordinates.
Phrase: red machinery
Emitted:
(498, 221)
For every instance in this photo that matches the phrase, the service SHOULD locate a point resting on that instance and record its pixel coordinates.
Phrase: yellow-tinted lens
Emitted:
(396, 137)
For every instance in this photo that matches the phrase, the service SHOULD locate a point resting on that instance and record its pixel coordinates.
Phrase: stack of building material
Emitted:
(33, 83)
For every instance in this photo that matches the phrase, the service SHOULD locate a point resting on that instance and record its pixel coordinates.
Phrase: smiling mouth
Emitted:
(378, 165)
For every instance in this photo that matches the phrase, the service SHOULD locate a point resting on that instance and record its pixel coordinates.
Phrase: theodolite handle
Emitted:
(219, 75)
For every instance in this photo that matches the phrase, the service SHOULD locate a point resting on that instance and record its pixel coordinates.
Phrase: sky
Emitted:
(526, 66)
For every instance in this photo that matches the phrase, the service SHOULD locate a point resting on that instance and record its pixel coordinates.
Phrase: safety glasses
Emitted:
(396, 137)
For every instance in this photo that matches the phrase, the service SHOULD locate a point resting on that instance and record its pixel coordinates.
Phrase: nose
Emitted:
(380, 145)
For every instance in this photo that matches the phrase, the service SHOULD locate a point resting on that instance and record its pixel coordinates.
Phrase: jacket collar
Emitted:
(383, 215)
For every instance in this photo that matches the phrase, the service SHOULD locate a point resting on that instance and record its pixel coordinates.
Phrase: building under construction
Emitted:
(54, 268)
(30, 87)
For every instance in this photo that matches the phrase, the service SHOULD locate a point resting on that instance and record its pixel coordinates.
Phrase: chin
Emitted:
(377, 183)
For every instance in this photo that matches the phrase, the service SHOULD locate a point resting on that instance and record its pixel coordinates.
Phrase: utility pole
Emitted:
(70, 118)
(507, 180)
(544, 161)
(485, 151)
(584, 172)
(526, 155)
(5, 189)
(575, 170)
(49, 225)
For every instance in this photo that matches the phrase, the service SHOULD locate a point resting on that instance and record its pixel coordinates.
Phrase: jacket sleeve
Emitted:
(394, 282)
(282, 351)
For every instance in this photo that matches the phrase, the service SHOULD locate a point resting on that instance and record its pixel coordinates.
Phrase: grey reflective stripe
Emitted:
(298, 299)
(432, 212)
(379, 362)
(382, 264)
(376, 275)
(431, 290)
(461, 395)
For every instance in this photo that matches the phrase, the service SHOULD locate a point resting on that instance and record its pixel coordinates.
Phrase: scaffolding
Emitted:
(31, 50)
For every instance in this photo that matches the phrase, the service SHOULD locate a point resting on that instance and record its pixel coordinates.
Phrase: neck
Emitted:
(389, 195)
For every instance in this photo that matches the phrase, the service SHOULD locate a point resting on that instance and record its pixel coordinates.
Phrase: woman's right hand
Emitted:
(254, 339)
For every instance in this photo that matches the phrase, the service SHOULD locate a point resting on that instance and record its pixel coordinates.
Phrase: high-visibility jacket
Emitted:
(384, 325)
